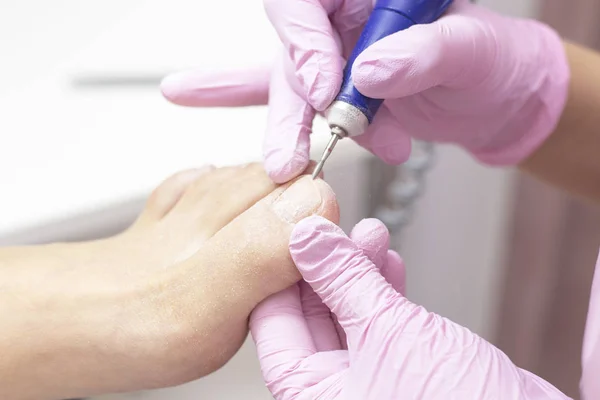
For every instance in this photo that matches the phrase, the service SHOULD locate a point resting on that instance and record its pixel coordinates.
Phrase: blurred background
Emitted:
(85, 135)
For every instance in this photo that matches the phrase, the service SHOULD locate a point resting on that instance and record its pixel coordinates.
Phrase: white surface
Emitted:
(66, 151)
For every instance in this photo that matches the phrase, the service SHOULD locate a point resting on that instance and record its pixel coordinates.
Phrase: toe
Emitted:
(252, 251)
(218, 198)
(242, 264)
(167, 194)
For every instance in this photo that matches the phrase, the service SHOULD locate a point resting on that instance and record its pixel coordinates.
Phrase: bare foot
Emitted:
(166, 301)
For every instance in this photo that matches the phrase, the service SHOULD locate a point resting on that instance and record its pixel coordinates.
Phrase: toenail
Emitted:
(302, 199)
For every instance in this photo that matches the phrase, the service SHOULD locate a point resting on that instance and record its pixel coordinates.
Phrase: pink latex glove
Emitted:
(590, 384)
(396, 349)
(492, 84)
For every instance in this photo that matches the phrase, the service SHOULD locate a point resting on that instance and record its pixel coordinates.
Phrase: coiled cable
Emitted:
(406, 187)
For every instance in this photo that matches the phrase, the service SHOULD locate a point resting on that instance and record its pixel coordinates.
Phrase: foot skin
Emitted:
(165, 302)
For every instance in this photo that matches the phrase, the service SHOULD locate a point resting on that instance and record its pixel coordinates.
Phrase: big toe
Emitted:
(252, 251)
(217, 199)
(242, 264)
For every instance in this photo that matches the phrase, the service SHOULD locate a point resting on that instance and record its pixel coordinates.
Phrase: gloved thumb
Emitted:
(339, 272)
(453, 51)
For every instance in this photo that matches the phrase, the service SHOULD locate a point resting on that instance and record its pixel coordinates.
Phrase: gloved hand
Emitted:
(492, 84)
(396, 349)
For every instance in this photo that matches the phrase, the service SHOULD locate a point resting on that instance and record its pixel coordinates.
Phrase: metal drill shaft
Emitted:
(335, 137)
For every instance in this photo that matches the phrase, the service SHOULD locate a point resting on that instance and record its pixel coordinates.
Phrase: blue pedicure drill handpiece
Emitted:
(351, 112)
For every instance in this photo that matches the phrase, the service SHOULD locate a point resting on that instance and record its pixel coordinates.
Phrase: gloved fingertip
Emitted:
(401, 64)
(172, 86)
(311, 243)
(311, 226)
(283, 165)
(395, 154)
(372, 236)
(370, 77)
(369, 227)
(394, 271)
